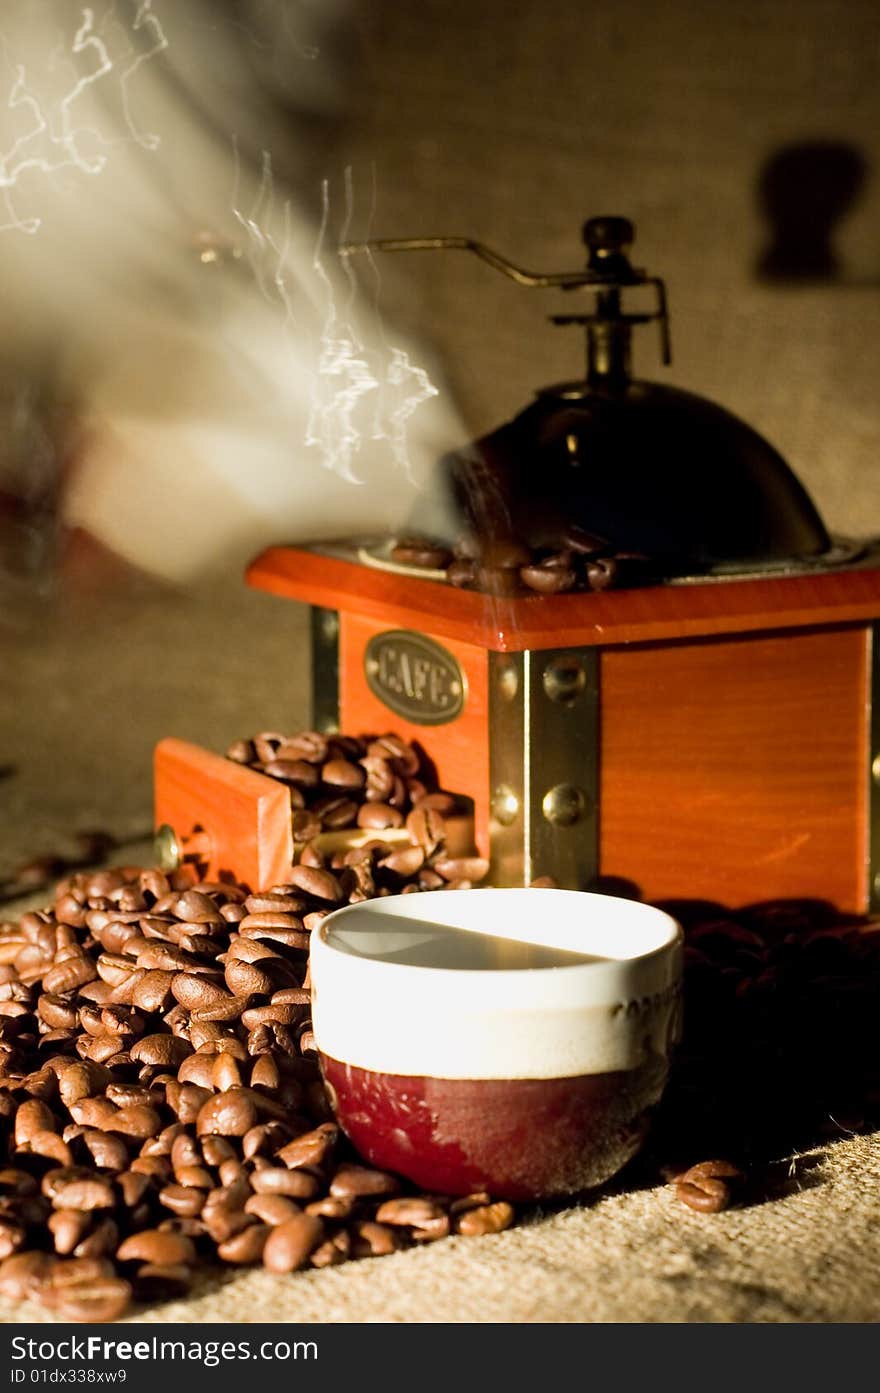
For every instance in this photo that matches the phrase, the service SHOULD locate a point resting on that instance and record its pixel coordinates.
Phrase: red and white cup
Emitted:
(512, 1040)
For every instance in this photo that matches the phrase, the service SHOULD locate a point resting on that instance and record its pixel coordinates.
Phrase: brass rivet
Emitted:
(508, 682)
(875, 769)
(564, 680)
(505, 805)
(564, 805)
(166, 848)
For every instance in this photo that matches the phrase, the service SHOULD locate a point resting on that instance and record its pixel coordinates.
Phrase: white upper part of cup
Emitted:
(496, 984)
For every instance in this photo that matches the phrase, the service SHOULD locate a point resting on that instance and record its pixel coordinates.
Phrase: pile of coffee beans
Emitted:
(378, 783)
(160, 1100)
(508, 567)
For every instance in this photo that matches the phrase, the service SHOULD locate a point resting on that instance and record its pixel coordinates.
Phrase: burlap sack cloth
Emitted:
(812, 1255)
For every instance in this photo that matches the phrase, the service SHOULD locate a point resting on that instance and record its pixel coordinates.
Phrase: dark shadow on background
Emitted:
(804, 190)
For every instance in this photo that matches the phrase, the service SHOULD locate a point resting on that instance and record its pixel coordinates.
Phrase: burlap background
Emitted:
(810, 1256)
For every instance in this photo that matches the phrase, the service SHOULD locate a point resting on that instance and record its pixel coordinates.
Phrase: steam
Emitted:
(209, 374)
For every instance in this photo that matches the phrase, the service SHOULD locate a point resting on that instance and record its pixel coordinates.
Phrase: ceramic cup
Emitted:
(514, 1040)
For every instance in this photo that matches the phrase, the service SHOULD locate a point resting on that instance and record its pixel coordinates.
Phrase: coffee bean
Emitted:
(89, 1299)
(289, 1245)
(195, 907)
(154, 1246)
(312, 1148)
(68, 1227)
(411, 1211)
(56, 1011)
(484, 1218)
(185, 1200)
(462, 867)
(108, 1152)
(228, 1114)
(357, 1181)
(322, 884)
(69, 975)
(294, 1184)
(372, 1240)
(168, 1051)
(418, 551)
(707, 1186)
(197, 1069)
(225, 1073)
(22, 1275)
(426, 828)
(271, 1209)
(93, 1112)
(246, 979)
(96, 1192)
(33, 1116)
(247, 1245)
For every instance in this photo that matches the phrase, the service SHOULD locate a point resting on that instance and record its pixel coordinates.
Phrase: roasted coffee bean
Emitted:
(33, 1116)
(412, 1211)
(420, 552)
(247, 979)
(56, 1011)
(155, 1246)
(372, 1240)
(404, 863)
(185, 1200)
(289, 1245)
(197, 1069)
(152, 991)
(484, 1218)
(294, 1184)
(271, 1209)
(108, 1152)
(168, 1051)
(471, 868)
(707, 1185)
(247, 1245)
(89, 1299)
(69, 975)
(96, 1192)
(195, 907)
(24, 1275)
(93, 1112)
(549, 579)
(99, 1242)
(68, 1227)
(225, 1072)
(311, 1149)
(228, 1114)
(322, 884)
(359, 1181)
(241, 751)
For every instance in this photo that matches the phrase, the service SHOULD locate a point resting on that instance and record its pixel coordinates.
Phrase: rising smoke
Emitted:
(197, 373)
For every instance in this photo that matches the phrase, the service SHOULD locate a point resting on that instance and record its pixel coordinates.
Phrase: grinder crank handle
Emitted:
(607, 272)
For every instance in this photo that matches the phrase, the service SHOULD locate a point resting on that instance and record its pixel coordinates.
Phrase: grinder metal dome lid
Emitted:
(648, 471)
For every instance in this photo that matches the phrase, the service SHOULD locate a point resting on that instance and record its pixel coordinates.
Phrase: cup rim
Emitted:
(542, 1022)
(596, 981)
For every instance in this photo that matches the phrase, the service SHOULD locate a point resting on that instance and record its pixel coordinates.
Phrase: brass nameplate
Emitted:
(415, 677)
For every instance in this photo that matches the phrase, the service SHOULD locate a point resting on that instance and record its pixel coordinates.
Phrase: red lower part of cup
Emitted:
(521, 1139)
